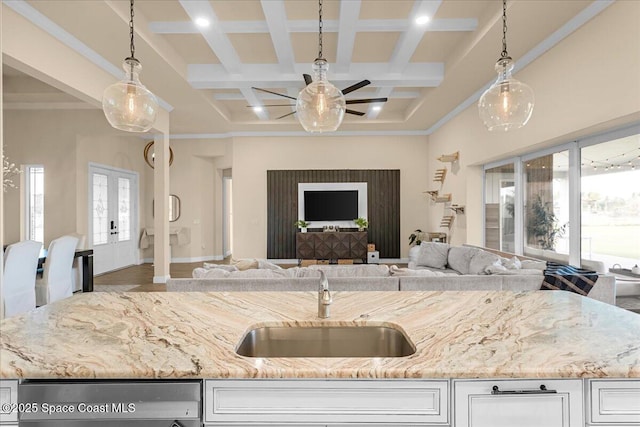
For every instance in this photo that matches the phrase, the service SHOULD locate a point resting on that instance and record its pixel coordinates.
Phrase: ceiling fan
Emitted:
(308, 80)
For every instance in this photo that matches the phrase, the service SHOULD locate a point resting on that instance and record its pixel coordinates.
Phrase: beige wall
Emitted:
(252, 157)
(64, 142)
(589, 82)
(196, 178)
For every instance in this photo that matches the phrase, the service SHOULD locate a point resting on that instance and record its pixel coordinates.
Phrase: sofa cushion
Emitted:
(365, 270)
(467, 260)
(209, 273)
(433, 254)
(396, 271)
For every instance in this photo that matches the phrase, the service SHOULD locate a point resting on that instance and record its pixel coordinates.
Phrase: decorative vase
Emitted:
(303, 229)
(360, 228)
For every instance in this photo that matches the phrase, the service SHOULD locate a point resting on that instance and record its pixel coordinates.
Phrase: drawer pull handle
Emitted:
(541, 390)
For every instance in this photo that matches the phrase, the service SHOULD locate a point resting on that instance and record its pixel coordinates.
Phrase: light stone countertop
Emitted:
(550, 334)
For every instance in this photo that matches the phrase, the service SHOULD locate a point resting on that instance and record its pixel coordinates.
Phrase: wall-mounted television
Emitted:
(332, 203)
(335, 205)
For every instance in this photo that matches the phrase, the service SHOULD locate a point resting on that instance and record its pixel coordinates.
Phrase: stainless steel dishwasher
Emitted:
(48, 403)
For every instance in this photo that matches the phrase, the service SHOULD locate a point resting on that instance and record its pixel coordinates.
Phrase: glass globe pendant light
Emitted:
(508, 103)
(320, 105)
(128, 104)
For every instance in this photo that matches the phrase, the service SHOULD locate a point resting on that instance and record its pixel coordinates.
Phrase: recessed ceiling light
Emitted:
(257, 109)
(376, 107)
(202, 22)
(421, 20)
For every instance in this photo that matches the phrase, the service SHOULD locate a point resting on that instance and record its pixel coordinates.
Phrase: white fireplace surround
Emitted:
(361, 187)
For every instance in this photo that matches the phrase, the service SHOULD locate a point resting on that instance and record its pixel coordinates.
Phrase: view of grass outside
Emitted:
(610, 189)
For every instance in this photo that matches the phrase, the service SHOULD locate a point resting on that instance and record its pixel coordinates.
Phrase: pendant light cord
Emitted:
(320, 29)
(131, 45)
(504, 53)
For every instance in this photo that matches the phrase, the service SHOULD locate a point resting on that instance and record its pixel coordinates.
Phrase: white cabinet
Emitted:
(8, 402)
(522, 403)
(326, 402)
(614, 402)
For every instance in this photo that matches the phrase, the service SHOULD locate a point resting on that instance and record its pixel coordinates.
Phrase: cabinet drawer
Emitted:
(476, 404)
(8, 395)
(615, 401)
(326, 401)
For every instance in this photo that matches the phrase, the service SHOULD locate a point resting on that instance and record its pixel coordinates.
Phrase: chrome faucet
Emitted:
(324, 297)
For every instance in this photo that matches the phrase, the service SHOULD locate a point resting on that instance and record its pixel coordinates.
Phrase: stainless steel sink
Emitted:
(325, 341)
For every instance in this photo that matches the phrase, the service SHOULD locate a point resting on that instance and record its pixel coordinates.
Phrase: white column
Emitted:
(1, 192)
(161, 248)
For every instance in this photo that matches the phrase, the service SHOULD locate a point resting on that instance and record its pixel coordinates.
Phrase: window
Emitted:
(610, 201)
(547, 204)
(34, 201)
(576, 202)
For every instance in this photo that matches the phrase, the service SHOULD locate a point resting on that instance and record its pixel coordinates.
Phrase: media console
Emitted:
(332, 245)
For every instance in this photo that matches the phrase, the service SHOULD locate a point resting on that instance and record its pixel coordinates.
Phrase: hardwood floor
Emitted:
(139, 278)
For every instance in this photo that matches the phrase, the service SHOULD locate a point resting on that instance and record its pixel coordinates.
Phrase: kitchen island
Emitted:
(546, 339)
(547, 334)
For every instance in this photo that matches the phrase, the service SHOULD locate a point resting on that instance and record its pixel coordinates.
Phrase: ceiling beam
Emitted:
(349, 12)
(409, 40)
(311, 26)
(214, 76)
(276, 16)
(294, 92)
(213, 34)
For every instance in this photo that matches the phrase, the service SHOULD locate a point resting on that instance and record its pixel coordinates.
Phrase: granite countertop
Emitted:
(550, 334)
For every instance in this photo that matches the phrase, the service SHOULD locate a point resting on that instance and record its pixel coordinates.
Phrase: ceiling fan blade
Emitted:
(356, 86)
(366, 101)
(272, 105)
(282, 117)
(307, 79)
(272, 93)
(357, 113)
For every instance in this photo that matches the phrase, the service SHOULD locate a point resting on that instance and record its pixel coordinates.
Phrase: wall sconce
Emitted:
(149, 154)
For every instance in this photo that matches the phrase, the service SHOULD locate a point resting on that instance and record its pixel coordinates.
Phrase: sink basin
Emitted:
(325, 341)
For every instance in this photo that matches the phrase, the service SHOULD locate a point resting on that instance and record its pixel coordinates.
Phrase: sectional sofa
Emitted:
(465, 269)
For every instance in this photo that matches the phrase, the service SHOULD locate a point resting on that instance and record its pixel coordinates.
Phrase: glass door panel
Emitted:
(500, 208)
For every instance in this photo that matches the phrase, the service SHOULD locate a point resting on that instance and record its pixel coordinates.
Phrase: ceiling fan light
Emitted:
(508, 103)
(320, 105)
(127, 104)
(377, 108)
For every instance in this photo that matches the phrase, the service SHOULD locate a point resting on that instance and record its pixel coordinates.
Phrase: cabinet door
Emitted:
(305, 246)
(326, 402)
(8, 401)
(519, 403)
(615, 401)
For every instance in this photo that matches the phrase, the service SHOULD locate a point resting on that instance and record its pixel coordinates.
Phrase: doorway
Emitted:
(113, 217)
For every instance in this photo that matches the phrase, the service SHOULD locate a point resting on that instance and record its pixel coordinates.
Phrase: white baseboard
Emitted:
(226, 254)
(161, 279)
(283, 261)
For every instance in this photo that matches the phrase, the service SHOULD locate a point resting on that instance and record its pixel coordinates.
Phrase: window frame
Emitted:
(574, 148)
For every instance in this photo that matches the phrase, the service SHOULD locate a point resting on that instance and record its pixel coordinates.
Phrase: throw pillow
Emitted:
(511, 264)
(433, 254)
(481, 260)
(266, 265)
(245, 264)
(225, 267)
(459, 258)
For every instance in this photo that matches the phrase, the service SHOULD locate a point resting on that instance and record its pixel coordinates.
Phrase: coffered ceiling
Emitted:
(205, 74)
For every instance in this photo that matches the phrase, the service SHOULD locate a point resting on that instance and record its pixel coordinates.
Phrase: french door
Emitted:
(113, 218)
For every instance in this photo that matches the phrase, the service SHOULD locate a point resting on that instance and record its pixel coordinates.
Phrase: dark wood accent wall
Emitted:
(383, 201)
